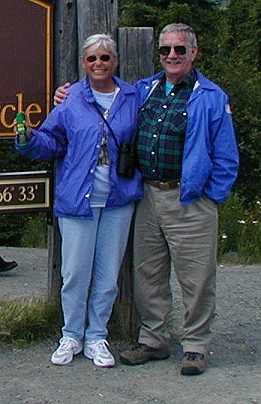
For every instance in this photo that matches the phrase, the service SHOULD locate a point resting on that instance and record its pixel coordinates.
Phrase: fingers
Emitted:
(61, 93)
(66, 85)
(58, 98)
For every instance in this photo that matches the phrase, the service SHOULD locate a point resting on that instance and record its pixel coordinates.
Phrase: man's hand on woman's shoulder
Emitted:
(61, 93)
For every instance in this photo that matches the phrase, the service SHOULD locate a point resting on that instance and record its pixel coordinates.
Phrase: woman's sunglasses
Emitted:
(179, 50)
(103, 58)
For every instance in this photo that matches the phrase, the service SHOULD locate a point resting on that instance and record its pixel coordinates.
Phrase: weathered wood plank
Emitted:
(65, 69)
(136, 52)
(124, 321)
(136, 61)
(66, 42)
(54, 262)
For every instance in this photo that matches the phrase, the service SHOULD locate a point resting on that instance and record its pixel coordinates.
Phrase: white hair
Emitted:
(101, 41)
(186, 29)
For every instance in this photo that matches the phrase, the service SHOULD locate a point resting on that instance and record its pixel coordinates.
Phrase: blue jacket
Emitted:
(72, 134)
(210, 158)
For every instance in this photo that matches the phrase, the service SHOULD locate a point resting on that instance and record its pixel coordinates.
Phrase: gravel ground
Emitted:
(29, 278)
(233, 376)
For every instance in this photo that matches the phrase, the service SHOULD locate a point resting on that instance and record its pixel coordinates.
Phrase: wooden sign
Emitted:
(26, 62)
(28, 191)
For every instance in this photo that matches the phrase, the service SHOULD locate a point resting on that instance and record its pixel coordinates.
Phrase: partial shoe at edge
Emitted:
(7, 265)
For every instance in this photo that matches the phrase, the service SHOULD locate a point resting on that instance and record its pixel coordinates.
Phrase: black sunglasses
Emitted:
(103, 58)
(179, 50)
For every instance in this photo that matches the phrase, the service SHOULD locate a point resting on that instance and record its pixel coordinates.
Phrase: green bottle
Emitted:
(21, 129)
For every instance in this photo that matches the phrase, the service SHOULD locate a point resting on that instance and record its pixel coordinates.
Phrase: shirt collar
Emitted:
(188, 81)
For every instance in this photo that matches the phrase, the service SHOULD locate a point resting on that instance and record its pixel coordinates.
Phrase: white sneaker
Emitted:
(67, 349)
(98, 351)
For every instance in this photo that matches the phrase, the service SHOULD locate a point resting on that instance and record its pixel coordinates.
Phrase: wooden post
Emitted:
(136, 53)
(65, 69)
(66, 42)
(136, 61)
(96, 17)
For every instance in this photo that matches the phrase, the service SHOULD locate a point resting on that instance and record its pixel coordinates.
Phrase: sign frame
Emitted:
(28, 181)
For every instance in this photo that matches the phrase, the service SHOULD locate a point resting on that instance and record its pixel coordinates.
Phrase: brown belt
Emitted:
(163, 185)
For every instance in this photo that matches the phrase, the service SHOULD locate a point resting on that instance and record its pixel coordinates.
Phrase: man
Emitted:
(189, 159)
(7, 265)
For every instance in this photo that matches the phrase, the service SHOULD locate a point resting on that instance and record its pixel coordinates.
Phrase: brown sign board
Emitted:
(28, 191)
(26, 62)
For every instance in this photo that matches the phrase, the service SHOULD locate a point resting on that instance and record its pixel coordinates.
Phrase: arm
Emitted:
(224, 156)
(49, 142)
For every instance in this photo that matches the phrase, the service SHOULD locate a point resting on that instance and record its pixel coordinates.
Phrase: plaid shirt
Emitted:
(161, 130)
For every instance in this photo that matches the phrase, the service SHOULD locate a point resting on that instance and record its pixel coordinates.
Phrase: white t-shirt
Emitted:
(101, 184)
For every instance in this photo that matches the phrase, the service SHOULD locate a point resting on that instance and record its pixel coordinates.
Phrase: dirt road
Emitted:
(234, 375)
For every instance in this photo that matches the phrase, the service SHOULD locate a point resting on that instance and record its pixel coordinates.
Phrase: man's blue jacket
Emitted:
(210, 158)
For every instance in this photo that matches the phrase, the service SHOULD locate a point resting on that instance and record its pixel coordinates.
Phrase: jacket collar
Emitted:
(125, 88)
(201, 81)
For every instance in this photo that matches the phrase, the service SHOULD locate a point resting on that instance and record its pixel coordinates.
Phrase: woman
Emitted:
(93, 203)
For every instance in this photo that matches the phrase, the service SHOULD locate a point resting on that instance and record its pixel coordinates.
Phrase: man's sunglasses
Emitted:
(103, 58)
(179, 50)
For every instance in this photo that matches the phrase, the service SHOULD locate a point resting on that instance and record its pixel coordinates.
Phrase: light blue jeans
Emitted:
(92, 253)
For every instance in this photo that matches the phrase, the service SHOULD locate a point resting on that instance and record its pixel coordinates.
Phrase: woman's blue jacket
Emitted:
(72, 134)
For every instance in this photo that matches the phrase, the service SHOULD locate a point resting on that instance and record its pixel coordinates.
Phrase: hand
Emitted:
(61, 93)
(23, 133)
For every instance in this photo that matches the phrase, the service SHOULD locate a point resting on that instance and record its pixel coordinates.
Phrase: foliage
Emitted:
(11, 160)
(157, 14)
(240, 230)
(23, 230)
(237, 67)
(35, 232)
(137, 13)
(11, 229)
(22, 322)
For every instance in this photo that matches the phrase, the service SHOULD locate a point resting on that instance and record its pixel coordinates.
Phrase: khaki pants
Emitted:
(167, 231)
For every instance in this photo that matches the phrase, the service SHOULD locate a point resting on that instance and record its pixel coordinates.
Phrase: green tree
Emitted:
(236, 66)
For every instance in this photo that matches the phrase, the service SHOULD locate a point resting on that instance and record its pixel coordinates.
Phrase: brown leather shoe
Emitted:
(142, 354)
(193, 363)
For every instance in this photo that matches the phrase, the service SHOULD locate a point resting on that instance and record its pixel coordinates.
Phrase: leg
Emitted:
(152, 292)
(78, 246)
(193, 248)
(152, 272)
(112, 237)
(192, 236)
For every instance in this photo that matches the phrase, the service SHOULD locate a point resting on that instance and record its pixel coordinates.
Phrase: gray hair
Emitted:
(101, 41)
(186, 29)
